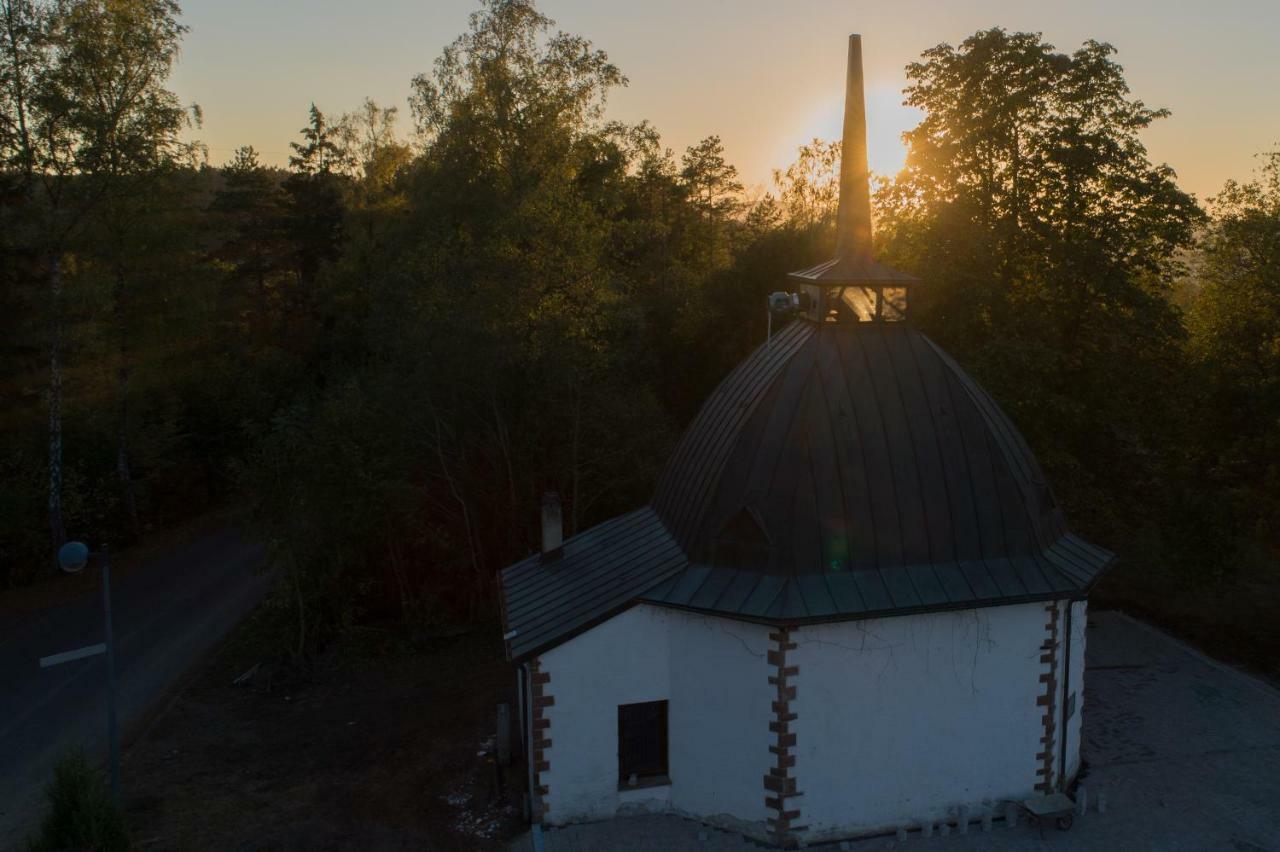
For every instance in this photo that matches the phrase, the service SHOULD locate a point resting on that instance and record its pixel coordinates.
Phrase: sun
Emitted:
(887, 119)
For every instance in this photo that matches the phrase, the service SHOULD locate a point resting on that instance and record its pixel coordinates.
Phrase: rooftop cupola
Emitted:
(853, 287)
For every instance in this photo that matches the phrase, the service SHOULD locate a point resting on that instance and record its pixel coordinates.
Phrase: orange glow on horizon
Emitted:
(887, 120)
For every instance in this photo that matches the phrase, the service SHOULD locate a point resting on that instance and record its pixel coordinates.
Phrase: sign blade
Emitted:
(72, 656)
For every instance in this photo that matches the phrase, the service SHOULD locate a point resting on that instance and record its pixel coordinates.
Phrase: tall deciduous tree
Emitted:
(1048, 241)
(511, 122)
(809, 189)
(114, 58)
(1235, 342)
(85, 106)
(376, 151)
(22, 62)
(494, 302)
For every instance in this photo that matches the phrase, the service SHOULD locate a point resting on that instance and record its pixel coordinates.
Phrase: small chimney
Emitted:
(552, 526)
(853, 223)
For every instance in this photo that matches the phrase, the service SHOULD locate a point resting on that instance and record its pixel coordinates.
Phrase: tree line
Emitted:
(391, 347)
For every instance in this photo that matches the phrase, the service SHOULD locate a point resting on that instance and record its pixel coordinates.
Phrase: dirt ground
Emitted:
(374, 746)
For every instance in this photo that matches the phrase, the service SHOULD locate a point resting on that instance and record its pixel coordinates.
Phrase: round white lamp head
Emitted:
(73, 556)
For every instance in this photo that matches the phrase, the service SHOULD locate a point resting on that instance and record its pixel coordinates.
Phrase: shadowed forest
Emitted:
(388, 350)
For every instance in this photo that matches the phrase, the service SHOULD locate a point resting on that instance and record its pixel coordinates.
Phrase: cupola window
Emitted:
(853, 303)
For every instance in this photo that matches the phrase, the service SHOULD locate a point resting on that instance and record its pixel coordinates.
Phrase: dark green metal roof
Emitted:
(598, 573)
(841, 471)
(1063, 570)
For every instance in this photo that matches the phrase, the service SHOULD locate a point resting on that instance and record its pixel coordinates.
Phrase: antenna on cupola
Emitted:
(853, 287)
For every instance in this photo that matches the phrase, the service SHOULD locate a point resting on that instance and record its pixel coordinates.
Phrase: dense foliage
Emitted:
(1234, 350)
(1051, 244)
(391, 348)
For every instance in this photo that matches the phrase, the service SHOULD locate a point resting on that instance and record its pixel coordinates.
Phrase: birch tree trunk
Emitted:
(56, 528)
(577, 434)
(122, 376)
(122, 451)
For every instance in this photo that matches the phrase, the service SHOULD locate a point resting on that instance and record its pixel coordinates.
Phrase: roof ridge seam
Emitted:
(884, 430)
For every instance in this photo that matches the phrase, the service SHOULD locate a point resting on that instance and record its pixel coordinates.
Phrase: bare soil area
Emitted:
(373, 746)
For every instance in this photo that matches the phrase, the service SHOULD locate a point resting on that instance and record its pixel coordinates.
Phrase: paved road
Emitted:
(1186, 751)
(166, 614)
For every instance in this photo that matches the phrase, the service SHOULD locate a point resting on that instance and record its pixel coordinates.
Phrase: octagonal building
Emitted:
(852, 605)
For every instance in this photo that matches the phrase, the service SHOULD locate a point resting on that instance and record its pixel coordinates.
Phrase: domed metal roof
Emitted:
(851, 446)
(842, 471)
(845, 470)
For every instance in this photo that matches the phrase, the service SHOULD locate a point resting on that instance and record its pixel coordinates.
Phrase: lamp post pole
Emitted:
(113, 730)
(73, 556)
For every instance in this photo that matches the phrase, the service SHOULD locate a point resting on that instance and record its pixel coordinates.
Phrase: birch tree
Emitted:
(86, 112)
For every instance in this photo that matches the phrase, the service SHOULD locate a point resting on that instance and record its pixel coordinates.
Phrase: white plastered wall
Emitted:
(713, 673)
(900, 719)
(908, 719)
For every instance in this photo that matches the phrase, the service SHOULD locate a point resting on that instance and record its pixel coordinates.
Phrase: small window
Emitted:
(860, 303)
(642, 743)
(894, 304)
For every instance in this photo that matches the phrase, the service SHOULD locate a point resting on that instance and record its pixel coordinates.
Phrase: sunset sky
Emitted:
(766, 76)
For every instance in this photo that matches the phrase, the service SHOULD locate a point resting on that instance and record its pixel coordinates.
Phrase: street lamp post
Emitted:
(73, 557)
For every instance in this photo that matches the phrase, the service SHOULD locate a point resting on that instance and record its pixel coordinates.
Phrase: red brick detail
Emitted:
(1049, 701)
(539, 685)
(779, 784)
(783, 786)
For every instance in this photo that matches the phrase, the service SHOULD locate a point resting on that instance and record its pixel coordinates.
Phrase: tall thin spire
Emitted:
(830, 286)
(853, 240)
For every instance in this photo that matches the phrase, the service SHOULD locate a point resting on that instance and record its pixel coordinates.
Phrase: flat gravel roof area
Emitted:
(1185, 750)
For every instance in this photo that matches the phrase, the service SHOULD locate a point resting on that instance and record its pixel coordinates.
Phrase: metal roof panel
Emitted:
(852, 446)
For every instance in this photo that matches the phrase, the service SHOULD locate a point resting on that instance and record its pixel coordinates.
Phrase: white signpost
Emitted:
(73, 557)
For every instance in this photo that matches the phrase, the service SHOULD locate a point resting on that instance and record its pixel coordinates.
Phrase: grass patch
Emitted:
(81, 814)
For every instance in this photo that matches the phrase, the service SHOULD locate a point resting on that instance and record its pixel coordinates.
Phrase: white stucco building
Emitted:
(851, 606)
